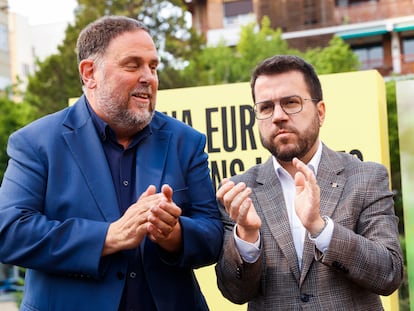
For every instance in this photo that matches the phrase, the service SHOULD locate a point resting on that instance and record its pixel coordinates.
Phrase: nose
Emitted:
(278, 113)
(147, 75)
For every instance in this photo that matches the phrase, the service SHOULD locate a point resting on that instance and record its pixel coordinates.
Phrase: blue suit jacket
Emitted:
(57, 200)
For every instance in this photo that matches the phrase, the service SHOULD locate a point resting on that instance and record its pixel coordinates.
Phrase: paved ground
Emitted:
(8, 306)
(7, 302)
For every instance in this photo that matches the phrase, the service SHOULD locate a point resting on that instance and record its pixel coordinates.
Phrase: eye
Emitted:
(154, 66)
(265, 106)
(291, 101)
(131, 66)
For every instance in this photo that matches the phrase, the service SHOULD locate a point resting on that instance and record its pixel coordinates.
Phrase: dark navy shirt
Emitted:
(136, 295)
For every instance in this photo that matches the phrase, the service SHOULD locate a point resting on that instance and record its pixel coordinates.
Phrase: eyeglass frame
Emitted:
(315, 100)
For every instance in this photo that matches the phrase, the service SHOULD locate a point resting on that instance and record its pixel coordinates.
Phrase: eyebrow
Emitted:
(137, 59)
(272, 100)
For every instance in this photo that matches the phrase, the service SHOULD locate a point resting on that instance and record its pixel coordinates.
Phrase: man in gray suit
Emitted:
(311, 228)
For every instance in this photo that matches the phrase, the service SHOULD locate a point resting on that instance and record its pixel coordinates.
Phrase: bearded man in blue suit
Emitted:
(108, 203)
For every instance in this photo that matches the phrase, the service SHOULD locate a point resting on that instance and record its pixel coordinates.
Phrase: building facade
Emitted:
(380, 32)
(27, 44)
(5, 74)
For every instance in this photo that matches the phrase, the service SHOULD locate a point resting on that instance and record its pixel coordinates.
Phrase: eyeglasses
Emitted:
(289, 104)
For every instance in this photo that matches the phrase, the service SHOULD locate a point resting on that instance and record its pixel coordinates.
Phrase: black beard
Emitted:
(287, 156)
(298, 151)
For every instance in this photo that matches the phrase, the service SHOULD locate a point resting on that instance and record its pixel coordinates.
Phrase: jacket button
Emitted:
(339, 266)
(304, 297)
(120, 275)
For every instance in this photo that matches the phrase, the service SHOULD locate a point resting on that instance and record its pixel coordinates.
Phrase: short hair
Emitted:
(95, 37)
(286, 63)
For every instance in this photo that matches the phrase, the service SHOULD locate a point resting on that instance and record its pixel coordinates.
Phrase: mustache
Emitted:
(143, 91)
(283, 128)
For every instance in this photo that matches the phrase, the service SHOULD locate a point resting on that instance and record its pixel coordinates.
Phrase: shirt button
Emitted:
(125, 182)
(132, 275)
(238, 273)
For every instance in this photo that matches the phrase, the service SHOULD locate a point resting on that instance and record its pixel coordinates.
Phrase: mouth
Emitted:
(141, 95)
(282, 132)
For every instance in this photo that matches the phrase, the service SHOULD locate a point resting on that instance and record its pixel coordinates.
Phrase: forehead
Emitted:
(275, 86)
(137, 43)
(281, 81)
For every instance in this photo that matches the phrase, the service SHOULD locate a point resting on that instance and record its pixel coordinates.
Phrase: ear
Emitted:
(321, 112)
(87, 72)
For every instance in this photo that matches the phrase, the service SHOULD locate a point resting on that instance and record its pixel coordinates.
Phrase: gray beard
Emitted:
(123, 118)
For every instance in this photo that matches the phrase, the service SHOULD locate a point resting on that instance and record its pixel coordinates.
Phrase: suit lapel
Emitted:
(151, 161)
(331, 183)
(150, 164)
(88, 153)
(272, 203)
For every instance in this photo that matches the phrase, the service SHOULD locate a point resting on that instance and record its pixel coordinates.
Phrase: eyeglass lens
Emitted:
(289, 104)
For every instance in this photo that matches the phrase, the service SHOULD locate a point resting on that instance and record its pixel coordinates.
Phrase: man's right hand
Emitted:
(239, 206)
(129, 230)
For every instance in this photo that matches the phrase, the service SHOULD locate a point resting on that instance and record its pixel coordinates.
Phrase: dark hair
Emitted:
(95, 37)
(286, 63)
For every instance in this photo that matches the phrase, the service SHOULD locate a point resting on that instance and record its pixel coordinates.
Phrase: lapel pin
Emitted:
(334, 185)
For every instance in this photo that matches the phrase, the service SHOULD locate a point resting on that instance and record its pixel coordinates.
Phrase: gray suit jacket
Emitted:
(364, 258)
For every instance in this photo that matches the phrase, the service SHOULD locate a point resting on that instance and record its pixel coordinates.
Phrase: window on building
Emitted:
(311, 12)
(25, 69)
(236, 11)
(370, 56)
(408, 49)
(4, 38)
(342, 3)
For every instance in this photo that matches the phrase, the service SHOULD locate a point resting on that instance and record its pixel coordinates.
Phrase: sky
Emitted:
(44, 11)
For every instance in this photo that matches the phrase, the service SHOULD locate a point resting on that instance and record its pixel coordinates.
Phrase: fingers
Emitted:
(127, 232)
(154, 215)
(305, 174)
(150, 198)
(226, 185)
(239, 206)
(167, 191)
(235, 198)
(244, 209)
(150, 191)
(163, 216)
(231, 194)
(307, 199)
(237, 201)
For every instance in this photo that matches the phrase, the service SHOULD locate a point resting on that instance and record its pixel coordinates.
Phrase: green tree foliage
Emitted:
(223, 64)
(12, 117)
(336, 57)
(213, 65)
(57, 79)
(254, 46)
(394, 145)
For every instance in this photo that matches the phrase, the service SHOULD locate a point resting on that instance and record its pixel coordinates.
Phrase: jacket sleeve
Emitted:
(29, 236)
(237, 280)
(365, 243)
